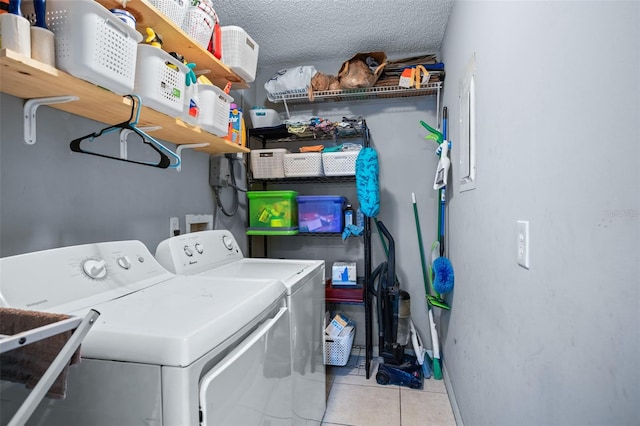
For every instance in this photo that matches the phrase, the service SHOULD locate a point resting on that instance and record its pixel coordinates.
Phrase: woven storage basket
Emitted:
(339, 163)
(337, 349)
(303, 164)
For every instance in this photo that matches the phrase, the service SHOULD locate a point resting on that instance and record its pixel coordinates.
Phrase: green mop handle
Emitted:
(420, 245)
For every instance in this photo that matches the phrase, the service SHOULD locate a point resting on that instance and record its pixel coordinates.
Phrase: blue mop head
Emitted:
(443, 272)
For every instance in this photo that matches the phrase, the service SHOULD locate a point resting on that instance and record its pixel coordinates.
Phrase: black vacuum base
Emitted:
(409, 373)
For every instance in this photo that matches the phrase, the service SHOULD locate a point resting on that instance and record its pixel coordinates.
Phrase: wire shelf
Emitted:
(376, 92)
(306, 179)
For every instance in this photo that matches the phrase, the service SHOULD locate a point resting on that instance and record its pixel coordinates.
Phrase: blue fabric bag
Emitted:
(367, 182)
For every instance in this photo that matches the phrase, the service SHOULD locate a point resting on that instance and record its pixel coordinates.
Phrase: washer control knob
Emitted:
(95, 268)
(199, 248)
(188, 251)
(228, 242)
(124, 262)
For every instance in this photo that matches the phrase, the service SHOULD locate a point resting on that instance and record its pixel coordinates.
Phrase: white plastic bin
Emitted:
(303, 164)
(267, 163)
(337, 349)
(214, 109)
(92, 43)
(263, 117)
(199, 24)
(240, 52)
(339, 163)
(172, 9)
(160, 86)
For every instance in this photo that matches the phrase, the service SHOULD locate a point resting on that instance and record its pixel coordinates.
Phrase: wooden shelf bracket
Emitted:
(30, 108)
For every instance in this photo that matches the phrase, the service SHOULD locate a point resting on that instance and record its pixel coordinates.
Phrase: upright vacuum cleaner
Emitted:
(393, 312)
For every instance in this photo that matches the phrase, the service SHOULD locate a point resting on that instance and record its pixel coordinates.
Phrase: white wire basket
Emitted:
(337, 349)
(303, 164)
(268, 163)
(339, 163)
(172, 9)
(240, 52)
(91, 43)
(199, 24)
(160, 80)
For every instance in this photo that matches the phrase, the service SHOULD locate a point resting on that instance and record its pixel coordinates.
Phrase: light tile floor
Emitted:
(354, 400)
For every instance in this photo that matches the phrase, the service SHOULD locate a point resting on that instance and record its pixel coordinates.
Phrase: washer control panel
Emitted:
(198, 251)
(81, 275)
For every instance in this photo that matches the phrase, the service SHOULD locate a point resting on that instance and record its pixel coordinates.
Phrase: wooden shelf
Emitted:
(343, 294)
(28, 79)
(176, 40)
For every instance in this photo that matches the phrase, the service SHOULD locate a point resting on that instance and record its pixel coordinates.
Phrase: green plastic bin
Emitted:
(272, 213)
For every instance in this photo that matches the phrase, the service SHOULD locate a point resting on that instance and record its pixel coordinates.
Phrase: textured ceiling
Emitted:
(307, 31)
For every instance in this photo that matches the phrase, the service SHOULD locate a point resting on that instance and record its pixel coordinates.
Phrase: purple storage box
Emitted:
(320, 213)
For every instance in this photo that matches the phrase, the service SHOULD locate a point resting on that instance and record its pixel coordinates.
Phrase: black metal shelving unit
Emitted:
(358, 294)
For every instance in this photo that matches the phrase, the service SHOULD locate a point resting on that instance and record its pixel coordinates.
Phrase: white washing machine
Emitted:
(217, 254)
(166, 350)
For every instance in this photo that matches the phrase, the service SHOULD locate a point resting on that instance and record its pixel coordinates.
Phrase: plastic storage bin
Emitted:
(272, 213)
(303, 164)
(239, 52)
(339, 163)
(268, 163)
(262, 117)
(320, 213)
(160, 86)
(198, 24)
(172, 9)
(92, 43)
(337, 349)
(214, 109)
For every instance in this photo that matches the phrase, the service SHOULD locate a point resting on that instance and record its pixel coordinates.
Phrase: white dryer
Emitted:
(166, 350)
(216, 254)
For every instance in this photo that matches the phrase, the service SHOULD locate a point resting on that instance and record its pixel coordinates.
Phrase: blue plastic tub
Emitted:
(320, 213)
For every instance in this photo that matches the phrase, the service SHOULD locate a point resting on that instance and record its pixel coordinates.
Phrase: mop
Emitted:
(426, 276)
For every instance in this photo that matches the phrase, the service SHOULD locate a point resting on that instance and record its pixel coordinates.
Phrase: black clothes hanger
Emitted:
(165, 161)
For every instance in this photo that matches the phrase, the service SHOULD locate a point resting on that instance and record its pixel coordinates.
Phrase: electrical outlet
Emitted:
(174, 227)
(523, 243)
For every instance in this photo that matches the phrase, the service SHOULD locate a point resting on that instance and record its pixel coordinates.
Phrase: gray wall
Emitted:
(558, 97)
(53, 197)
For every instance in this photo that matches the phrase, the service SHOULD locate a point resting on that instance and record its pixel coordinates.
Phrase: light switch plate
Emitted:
(523, 243)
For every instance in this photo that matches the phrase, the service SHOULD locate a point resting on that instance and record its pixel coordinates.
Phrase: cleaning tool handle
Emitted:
(14, 7)
(445, 119)
(420, 244)
(438, 136)
(434, 334)
(391, 257)
(40, 7)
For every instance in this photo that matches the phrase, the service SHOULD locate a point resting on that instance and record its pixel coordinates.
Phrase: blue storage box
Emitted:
(320, 213)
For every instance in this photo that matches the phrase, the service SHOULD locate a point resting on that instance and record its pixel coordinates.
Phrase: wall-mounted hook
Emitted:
(187, 146)
(30, 108)
(124, 133)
